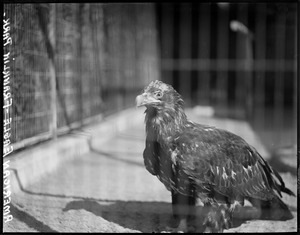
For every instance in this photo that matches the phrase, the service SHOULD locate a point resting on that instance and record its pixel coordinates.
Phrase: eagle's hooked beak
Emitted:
(145, 99)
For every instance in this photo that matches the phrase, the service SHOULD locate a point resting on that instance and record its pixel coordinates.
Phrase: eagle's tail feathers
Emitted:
(273, 209)
(279, 210)
(282, 185)
(274, 177)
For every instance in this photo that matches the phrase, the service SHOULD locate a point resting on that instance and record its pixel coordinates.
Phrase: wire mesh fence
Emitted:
(75, 62)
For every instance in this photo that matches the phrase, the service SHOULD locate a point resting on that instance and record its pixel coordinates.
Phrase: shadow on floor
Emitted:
(148, 216)
(137, 215)
(30, 220)
(141, 216)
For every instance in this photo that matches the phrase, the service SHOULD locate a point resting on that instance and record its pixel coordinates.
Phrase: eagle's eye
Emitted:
(158, 94)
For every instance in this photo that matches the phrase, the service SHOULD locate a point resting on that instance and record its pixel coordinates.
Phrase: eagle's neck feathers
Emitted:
(162, 125)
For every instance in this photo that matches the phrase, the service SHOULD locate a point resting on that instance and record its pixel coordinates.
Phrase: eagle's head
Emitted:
(160, 96)
(164, 110)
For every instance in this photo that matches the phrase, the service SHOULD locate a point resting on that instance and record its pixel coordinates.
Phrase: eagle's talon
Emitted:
(181, 228)
(217, 220)
(169, 229)
(176, 230)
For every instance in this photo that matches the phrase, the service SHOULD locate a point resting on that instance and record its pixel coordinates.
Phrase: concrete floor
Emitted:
(109, 190)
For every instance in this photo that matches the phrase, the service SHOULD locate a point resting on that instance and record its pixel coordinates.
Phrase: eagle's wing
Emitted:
(151, 156)
(223, 162)
(158, 163)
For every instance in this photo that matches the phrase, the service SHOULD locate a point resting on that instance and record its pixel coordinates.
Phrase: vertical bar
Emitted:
(222, 55)
(167, 41)
(296, 62)
(133, 82)
(120, 28)
(29, 92)
(204, 51)
(99, 39)
(79, 62)
(260, 52)
(249, 77)
(124, 28)
(242, 14)
(52, 38)
(128, 34)
(185, 51)
(113, 98)
(279, 75)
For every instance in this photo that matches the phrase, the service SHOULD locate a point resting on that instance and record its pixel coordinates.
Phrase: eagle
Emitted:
(196, 161)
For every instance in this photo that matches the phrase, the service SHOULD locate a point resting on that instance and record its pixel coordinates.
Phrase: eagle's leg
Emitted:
(183, 212)
(219, 217)
(183, 206)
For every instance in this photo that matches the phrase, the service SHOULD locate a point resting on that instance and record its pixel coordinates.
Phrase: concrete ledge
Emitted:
(29, 165)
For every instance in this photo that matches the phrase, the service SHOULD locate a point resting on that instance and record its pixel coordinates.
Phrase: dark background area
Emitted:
(244, 76)
(76, 63)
